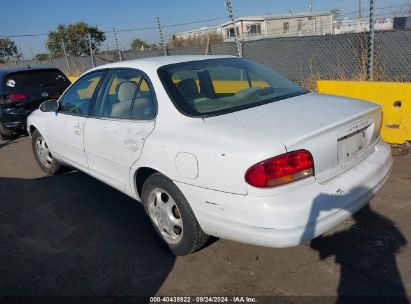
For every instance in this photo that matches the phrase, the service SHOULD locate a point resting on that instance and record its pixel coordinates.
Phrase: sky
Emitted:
(39, 17)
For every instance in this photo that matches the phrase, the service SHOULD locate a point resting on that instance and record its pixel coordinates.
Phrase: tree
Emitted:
(8, 49)
(335, 12)
(75, 37)
(138, 43)
(41, 57)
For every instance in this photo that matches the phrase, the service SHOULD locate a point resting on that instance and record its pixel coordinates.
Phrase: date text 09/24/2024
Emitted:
(203, 299)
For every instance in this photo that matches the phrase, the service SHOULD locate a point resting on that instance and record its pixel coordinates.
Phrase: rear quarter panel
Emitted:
(222, 157)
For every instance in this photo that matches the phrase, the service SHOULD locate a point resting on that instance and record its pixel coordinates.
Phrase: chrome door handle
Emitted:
(131, 145)
(77, 130)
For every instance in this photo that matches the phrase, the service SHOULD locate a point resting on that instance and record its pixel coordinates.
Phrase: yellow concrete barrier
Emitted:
(72, 78)
(394, 97)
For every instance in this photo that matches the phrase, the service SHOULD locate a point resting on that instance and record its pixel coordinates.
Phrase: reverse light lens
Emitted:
(280, 170)
(16, 97)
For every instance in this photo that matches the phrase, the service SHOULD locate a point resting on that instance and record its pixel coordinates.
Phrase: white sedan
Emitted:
(217, 145)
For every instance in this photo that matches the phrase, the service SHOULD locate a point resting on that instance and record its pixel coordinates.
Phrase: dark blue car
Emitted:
(22, 90)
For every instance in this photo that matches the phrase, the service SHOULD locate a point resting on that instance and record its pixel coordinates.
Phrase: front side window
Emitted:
(77, 99)
(217, 86)
(125, 94)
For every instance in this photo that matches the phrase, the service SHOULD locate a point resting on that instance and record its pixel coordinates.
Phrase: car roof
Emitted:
(10, 70)
(156, 62)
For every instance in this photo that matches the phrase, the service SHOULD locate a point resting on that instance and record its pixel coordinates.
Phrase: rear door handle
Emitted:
(77, 130)
(131, 145)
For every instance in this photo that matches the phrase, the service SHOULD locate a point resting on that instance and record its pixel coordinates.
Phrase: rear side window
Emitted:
(32, 80)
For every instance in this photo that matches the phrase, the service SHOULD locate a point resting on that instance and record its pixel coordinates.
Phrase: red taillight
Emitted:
(280, 170)
(16, 97)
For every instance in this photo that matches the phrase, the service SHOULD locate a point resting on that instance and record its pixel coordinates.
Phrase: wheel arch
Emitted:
(31, 129)
(140, 177)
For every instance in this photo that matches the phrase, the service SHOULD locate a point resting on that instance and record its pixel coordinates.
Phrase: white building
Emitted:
(198, 33)
(284, 25)
(384, 24)
(360, 25)
(272, 25)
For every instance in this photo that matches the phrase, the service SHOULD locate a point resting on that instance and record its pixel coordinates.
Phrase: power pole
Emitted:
(229, 8)
(63, 46)
(32, 55)
(311, 6)
(50, 61)
(371, 42)
(160, 31)
(359, 9)
(117, 48)
(21, 53)
(4, 57)
(91, 50)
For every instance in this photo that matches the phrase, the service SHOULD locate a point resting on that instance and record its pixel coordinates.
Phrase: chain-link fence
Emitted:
(303, 59)
(343, 56)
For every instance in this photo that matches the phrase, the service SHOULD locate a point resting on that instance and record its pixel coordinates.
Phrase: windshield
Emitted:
(217, 86)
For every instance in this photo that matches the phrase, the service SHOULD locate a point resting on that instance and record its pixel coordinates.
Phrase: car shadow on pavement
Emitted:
(71, 235)
(5, 143)
(366, 252)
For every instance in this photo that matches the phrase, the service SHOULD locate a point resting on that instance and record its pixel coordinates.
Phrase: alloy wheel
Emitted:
(165, 215)
(43, 152)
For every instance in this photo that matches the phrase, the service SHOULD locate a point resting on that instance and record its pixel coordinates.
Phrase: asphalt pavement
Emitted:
(71, 235)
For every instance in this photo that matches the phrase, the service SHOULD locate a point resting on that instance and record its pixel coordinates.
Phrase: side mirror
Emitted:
(50, 105)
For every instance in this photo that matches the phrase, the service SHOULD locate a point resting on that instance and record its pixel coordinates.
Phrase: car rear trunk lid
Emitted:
(339, 132)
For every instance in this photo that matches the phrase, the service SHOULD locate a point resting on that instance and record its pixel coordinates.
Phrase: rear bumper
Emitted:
(14, 119)
(295, 217)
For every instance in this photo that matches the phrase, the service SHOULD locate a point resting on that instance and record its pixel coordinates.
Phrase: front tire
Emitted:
(43, 155)
(172, 215)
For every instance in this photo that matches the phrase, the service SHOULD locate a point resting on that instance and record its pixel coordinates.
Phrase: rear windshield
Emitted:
(217, 86)
(22, 81)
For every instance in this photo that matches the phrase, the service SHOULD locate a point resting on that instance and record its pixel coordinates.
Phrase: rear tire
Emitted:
(172, 216)
(43, 156)
(6, 134)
